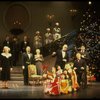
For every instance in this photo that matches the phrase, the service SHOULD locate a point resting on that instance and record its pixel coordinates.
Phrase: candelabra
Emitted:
(16, 30)
(73, 13)
(17, 24)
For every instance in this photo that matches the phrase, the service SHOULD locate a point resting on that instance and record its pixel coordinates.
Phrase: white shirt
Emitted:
(29, 55)
(63, 54)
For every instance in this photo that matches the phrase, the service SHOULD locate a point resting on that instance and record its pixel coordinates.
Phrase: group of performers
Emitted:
(61, 81)
(28, 58)
(65, 76)
(51, 35)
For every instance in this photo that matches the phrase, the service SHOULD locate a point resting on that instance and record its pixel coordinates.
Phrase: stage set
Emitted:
(18, 90)
(49, 50)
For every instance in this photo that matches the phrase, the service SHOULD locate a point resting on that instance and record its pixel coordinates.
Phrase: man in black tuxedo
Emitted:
(80, 68)
(24, 44)
(84, 54)
(62, 56)
(27, 59)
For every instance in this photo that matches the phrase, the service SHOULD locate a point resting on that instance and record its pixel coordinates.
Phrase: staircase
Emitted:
(17, 74)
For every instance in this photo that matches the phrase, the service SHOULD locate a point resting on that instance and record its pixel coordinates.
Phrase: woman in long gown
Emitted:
(38, 61)
(6, 66)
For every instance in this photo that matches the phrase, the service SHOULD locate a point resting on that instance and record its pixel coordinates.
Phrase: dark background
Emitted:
(33, 16)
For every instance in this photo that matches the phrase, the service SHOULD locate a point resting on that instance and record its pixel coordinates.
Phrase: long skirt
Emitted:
(39, 67)
(5, 74)
(55, 88)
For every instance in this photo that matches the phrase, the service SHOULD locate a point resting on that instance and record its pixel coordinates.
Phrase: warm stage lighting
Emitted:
(89, 2)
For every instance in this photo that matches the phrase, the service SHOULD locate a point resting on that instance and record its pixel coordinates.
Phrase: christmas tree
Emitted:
(89, 35)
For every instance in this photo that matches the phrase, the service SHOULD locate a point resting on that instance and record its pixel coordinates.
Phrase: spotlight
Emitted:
(89, 2)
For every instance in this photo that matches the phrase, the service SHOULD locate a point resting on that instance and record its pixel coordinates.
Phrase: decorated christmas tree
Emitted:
(89, 36)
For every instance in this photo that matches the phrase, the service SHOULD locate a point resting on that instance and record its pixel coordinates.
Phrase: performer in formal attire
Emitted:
(80, 68)
(37, 43)
(48, 36)
(7, 42)
(62, 56)
(6, 66)
(24, 44)
(38, 61)
(27, 59)
(15, 50)
(56, 31)
(84, 54)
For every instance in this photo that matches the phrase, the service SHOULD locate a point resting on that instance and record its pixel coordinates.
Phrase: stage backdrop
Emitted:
(25, 18)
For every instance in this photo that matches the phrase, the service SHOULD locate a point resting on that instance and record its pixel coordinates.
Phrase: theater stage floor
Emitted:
(18, 91)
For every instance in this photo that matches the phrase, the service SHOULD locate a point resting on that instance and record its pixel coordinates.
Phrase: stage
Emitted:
(18, 91)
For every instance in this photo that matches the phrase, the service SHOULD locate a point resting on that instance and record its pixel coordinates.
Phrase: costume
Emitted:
(75, 84)
(62, 58)
(6, 64)
(15, 51)
(72, 77)
(37, 41)
(38, 62)
(27, 59)
(56, 33)
(55, 88)
(79, 72)
(24, 44)
(47, 85)
(64, 86)
(48, 38)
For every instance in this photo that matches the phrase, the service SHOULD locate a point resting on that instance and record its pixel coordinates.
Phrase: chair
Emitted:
(32, 71)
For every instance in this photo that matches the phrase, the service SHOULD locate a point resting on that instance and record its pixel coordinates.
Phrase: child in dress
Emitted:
(59, 71)
(47, 86)
(71, 71)
(55, 88)
(54, 83)
(68, 77)
(64, 84)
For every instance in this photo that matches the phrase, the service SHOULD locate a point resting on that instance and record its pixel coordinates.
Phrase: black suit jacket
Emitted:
(59, 59)
(26, 60)
(80, 64)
